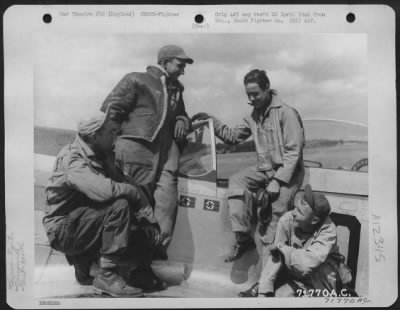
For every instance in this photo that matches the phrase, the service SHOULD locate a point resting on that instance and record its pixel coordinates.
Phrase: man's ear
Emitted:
(315, 220)
(164, 62)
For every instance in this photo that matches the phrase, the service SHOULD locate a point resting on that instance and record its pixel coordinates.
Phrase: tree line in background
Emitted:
(248, 146)
(51, 140)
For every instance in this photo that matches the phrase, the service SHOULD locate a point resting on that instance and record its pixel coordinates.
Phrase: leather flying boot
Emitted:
(110, 282)
(267, 294)
(145, 278)
(240, 248)
(251, 292)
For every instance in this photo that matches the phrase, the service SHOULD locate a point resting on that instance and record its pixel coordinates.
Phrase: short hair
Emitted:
(259, 77)
(165, 60)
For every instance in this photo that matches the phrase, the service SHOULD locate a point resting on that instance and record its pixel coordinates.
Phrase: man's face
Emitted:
(258, 97)
(175, 68)
(105, 138)
(303, 215)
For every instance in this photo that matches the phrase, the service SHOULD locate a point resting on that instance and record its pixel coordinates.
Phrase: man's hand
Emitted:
(180, 130)
(138, 198)
(201, 116)
(273, 248)
(153, 234)
(275, 251)
(165, 239)
(273, 189)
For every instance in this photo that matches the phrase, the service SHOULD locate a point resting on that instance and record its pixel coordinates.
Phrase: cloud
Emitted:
(319, 74)
(327, 57)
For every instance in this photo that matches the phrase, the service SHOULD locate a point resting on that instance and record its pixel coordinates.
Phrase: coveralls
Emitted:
(148, 105)
(310, 262)
(87, 211)
(279, 139)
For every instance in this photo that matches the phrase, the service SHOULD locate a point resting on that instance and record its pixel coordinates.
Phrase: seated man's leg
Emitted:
(141, 249)
(274, 280)
(241, 185)
(286, 290)
(324, 281)
(102, 227)
(285, 286)
(115, 236)
(321, 283)
(78, 236)
(279, 207)
(271, 269)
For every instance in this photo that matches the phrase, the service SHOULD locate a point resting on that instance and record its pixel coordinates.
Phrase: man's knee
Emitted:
(324, 277)
(285, 291)
(120, 206)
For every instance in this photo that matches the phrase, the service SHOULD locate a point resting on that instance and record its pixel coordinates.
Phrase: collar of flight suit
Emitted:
(87, 152)
(83, 148)
(275, 103)
(92, 159)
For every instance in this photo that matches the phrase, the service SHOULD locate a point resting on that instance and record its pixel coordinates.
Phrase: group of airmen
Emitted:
(112, 196)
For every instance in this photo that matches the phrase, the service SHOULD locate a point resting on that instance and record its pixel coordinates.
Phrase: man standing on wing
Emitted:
(279, 139)
(150, 109)
(305, 258)
(88, 214)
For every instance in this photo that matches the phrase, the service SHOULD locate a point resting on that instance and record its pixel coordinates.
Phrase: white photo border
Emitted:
(21, 22)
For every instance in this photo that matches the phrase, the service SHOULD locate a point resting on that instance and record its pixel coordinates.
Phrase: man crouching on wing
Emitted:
(279, 138)
(90, 215)
(305, 259)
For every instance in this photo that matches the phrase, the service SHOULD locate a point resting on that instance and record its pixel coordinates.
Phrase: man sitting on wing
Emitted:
(279, 139)
(88, 214)
(305, 258)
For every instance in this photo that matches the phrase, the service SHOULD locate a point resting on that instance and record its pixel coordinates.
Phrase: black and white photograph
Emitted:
(201, 164)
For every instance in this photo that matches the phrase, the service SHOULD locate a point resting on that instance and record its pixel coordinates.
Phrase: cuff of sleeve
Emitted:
(282, 177)
(147, 214)
(188, 123)
(286, 251)
(217, 123)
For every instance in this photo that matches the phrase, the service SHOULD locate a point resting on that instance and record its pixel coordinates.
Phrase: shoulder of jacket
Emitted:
(328, 227)
(284, 106)
(286, 109)
(69, 155)
(134, 77)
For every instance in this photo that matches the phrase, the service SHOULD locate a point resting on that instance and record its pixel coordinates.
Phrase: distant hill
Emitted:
(49, 141)
(248, 146)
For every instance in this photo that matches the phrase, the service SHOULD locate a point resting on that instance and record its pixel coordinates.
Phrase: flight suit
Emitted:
(279, 139)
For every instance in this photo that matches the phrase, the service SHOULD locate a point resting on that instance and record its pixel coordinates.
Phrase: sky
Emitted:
(321, 75)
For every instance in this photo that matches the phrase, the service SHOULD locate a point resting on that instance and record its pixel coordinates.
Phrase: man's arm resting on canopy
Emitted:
(229, 135)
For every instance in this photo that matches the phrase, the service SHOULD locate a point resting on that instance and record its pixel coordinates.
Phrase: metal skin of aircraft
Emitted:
(203, 236)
